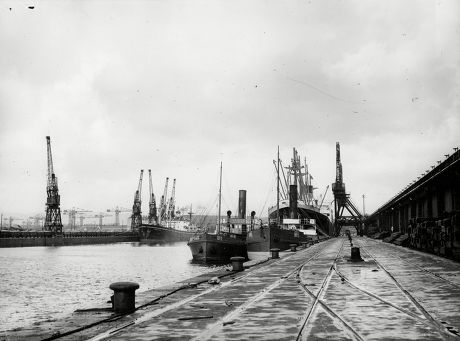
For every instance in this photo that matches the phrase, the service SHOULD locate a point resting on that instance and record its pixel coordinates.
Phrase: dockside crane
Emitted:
(72, 212)
(163, 202)
(136, 217)
(172, 202)
(152, 218)
(343, 202)
(53, 220)
(38, 218)
(117, 211)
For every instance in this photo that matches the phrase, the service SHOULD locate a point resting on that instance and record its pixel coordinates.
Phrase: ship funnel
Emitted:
(242, 209)
(293, 201)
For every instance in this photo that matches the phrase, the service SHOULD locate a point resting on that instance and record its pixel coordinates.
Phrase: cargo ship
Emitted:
(229, 238)
(296, 217)
(167, 232)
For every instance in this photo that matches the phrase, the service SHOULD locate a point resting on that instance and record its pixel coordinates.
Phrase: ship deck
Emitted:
(315, 293)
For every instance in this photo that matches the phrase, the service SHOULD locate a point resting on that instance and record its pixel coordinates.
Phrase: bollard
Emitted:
(304, 245)
(124, 296)
(237, 263)
(293, 247)
(275, 253)
(355, 255)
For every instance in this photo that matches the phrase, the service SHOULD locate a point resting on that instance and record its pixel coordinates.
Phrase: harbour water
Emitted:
(46, 283)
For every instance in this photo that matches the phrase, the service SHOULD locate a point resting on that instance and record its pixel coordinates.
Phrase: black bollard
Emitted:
(275, 253)
(124, 296)
(293, 247)
(237, 263)
(356, 255)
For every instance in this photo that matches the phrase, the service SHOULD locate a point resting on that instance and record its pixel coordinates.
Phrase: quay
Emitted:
(315, 293)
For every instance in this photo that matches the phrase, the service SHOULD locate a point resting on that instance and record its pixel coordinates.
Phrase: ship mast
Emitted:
(278, 189)
(220, 197)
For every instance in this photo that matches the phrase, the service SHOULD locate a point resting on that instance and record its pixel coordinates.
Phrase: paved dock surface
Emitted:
(315, 293)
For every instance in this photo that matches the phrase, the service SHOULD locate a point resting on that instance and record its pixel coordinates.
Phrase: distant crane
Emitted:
(38, 218)
(152, 218)
(10, 223)
(53, 211)
(136, 217)
(117, 211)
(164, 203)
(172, 202)
(73, 215)
(100, 216)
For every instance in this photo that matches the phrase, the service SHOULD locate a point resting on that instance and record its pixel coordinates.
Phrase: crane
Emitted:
(100, 216)
(117, 211)
(163, 203)
(136, 217)
(72, 216)
(172, 203)
(38, 218)
(153, 219)
(53, 211)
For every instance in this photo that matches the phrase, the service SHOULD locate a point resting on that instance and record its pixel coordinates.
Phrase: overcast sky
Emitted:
(178, 86)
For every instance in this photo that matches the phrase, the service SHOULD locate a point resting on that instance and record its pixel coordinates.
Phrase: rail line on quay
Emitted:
(429, 320)
(317, 300)
(417, 266)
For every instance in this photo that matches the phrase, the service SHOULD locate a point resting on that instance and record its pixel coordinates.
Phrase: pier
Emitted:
(318, 292)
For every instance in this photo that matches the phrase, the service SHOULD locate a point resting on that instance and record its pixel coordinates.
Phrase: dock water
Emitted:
(316, 293)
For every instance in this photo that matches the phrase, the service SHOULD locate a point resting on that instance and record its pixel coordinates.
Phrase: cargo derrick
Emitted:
(342, 201)
(136, 217)
(53, 211)
(153, 219)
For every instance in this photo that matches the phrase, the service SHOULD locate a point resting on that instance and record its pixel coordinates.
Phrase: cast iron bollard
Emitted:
(293, 247)
(275, 253)
(304, 245)
(237, 263)
(355, 254)
(124, 296)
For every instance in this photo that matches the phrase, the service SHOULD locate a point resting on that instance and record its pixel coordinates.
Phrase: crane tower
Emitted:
(153, 219)
(136, 218)
(53, 211)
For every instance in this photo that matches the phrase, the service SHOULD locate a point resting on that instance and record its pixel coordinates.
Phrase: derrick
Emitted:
(53, 220)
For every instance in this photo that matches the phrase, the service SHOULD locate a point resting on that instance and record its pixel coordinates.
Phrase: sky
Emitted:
(180, 86)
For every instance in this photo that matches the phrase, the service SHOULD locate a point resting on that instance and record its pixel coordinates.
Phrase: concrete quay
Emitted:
(316, 293)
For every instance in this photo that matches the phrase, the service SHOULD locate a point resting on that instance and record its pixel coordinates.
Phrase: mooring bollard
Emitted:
(304, 245)
(293, 247)
(356, 254)
(124, 296)
(275, 253)
(237, 263)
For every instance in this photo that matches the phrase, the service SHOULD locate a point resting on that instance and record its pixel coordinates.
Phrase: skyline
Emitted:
(178, 87)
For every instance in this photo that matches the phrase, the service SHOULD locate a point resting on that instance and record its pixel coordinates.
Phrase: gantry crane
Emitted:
(136, 217)
(172, 202)
(53, 211)
(164, 202)
(152, 218)
(117, 211)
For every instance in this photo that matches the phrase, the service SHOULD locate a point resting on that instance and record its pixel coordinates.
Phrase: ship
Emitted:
(227, 240)
(167, 232)
(296, 217)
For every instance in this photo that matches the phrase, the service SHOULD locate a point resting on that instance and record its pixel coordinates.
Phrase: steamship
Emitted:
(227, 240)
(296, 217)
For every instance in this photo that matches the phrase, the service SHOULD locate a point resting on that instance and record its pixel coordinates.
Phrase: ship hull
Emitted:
(210, 248)
(266, 238)
(159, 234)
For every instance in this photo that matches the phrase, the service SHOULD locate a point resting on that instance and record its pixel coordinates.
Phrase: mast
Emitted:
(278, 190)
(220, 198)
